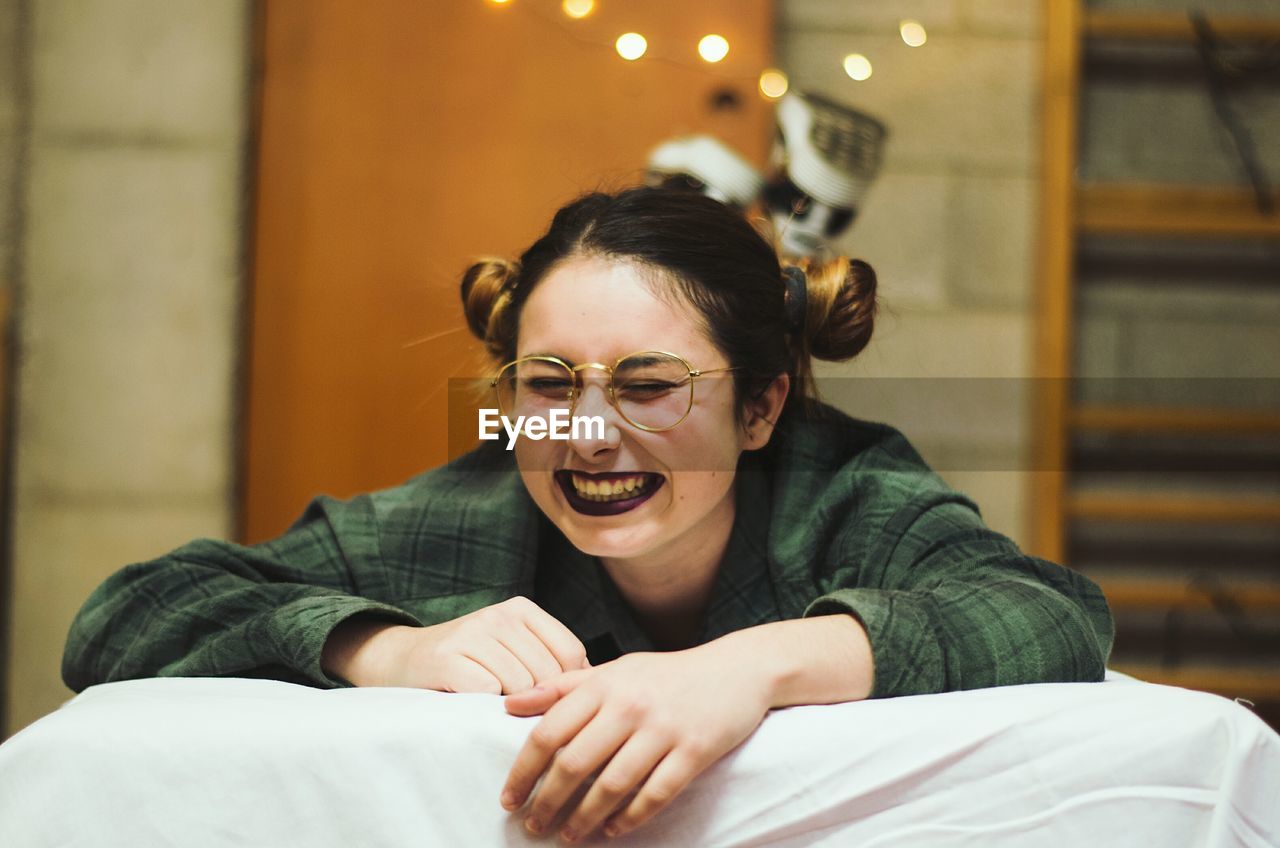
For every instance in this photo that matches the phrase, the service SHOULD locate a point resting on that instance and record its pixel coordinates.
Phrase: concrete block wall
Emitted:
(11, 84)
(950, 226)
(132, 204)
(1184, 322)
(1147, 116)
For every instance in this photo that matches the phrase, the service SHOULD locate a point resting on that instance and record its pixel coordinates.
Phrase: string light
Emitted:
(713, 48)
(631, 46)
(773, 83)
(857, 66)
(578, 8)
(912, 33)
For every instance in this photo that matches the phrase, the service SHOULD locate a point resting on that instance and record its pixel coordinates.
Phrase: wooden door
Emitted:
(397, 141)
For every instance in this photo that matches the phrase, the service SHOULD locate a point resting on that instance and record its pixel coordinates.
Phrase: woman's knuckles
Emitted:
(699, 749)
(571, 766)
(544, 738)
(633, 710)
(520, 605)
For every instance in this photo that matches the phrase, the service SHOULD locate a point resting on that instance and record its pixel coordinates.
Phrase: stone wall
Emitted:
(132, 201)
(950, 226)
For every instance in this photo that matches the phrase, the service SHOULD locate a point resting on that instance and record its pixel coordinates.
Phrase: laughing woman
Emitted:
(722, 545)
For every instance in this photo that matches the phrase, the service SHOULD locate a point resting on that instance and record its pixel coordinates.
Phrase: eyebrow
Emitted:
(563, 359)
(648, 360)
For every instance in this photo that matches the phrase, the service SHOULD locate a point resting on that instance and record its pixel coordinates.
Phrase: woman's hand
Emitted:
(652, 721)
(501, 649)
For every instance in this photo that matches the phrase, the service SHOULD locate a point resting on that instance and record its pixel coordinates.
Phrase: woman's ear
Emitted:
(762, 413)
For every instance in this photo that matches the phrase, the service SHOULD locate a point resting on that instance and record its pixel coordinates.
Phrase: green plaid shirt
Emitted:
(836, 516)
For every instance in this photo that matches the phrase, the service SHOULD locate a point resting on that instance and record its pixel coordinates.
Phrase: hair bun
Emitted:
(841, 294)
(486, 288)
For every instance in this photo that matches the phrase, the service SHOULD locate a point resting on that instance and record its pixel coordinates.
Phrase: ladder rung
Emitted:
(1119, 419)
(1173, 26)
(1136, 593)
(1173, 210)
(1254, 684)
(1138, 506)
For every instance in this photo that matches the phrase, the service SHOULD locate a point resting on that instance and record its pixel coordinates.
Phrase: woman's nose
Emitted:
(590, 439)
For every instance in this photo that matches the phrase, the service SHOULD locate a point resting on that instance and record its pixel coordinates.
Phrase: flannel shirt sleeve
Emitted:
(211, 609)
(956, 605)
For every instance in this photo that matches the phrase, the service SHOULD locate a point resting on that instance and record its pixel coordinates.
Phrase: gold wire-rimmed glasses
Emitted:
(651, 389)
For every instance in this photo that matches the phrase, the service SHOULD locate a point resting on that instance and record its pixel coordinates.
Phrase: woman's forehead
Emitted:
(596, 309)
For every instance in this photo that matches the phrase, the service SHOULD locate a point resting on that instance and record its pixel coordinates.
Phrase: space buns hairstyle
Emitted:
(708, 256)
(486, 291)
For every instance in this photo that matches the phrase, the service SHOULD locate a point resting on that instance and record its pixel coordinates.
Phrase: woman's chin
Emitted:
(618, 542)
(620, 536)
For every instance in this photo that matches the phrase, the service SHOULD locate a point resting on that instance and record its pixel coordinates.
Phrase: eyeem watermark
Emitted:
(558, 425)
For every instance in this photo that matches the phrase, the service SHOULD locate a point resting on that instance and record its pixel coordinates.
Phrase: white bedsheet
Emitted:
(201, 762)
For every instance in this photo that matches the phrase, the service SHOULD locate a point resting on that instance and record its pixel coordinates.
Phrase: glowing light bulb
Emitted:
(773, 83)
(857, 66)
(578, 8)
(912, 33)
(631, 46)
(713, 48)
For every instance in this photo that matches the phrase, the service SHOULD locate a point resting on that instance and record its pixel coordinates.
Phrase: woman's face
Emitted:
(591, 309)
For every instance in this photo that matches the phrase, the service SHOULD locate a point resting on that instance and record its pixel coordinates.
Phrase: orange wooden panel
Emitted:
(397, 141)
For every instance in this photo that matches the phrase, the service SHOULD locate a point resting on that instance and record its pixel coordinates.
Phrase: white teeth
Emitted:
(609, 490)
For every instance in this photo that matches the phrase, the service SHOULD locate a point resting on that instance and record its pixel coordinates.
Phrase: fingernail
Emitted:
(611, 830)
(568, 834)
(510, 800)
(532, 825)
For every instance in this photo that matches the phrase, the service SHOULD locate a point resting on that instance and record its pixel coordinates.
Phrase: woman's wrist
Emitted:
(821, 660)
(361, 651)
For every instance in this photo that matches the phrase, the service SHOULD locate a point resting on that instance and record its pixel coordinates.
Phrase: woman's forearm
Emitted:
(820, 660)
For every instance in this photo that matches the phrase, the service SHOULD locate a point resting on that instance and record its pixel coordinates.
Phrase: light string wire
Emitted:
(556, 20)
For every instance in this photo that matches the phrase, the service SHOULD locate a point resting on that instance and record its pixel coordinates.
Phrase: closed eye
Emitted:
(549, 386)
(647, 390)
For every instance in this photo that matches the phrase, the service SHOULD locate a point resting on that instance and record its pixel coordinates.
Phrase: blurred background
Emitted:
(231, 235)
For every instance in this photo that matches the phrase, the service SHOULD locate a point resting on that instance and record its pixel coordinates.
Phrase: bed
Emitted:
(214, 762)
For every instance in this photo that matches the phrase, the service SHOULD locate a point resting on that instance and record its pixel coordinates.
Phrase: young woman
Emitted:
(721, 546)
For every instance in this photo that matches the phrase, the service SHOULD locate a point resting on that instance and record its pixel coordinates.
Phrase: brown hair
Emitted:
(714, 260)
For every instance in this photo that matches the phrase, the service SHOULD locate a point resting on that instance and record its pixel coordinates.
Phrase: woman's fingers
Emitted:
(462, 674)
(515, 643)
(624, 773)
(564, 646)
(539, 699)
(532, 653)
(669, 779)
(501, 663)
(587, 752)
(547, 737)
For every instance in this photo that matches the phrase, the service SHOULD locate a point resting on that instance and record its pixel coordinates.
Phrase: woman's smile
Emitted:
(608, 493)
